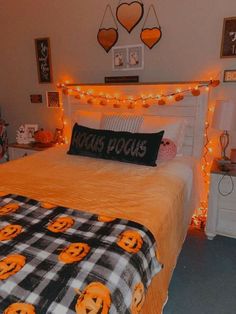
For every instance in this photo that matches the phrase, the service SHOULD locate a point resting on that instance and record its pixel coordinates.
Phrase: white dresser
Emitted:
(222, 203)
(22, 150)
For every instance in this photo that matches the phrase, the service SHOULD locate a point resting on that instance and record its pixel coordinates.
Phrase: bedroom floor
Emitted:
(204, 280)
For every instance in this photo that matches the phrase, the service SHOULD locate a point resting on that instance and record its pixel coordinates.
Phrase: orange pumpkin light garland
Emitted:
(130, 241)
(75, 252)
(61, 224)
(9, 232)
(20, 308)
(8, 209)
(10, 265)
(95, 299)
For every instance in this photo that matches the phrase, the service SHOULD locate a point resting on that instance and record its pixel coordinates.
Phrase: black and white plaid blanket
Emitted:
(78, 263)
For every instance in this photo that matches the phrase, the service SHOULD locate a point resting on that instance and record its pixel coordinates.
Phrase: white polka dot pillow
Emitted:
(167, 150)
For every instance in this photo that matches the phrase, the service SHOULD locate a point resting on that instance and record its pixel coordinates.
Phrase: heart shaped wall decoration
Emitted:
(129, 14)
(151, 36)
(107, 37)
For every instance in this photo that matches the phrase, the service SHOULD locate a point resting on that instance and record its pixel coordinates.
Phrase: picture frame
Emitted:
(30, 129)
(130, 57)
(228, 43)
(229, 76)
(53, 99)
(43, 60)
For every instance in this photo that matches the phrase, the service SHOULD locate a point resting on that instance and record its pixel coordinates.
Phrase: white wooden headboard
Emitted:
(192, 108)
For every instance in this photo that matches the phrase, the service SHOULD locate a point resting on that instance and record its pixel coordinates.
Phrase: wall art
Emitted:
(129, 57)
(53, 99)
(107, 37)
(129, 14)
(230, 76)
(43, 59)
(150, 36)
(228, 44)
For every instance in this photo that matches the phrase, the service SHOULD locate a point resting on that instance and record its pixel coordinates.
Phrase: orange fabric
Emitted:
(150, 196)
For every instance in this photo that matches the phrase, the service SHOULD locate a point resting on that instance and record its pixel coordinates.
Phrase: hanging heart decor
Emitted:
(151, 36)
(129, 14)
(107, 37)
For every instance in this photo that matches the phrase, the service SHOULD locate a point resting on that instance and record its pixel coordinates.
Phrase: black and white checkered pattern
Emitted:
(49, 284)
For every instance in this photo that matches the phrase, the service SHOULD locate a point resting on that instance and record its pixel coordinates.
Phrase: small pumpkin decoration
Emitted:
(95, 299)
(47, 205)
(75, 252)
(61, 224)
(20, 308)
(8, 209)
(9, 232)
(10, 265)
(44, 137)
(138, 298)
(130, 240)
(105, 218)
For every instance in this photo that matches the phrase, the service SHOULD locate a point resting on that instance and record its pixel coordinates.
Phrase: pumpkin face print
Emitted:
(75, 252)
(9, 232)
(20, 308)
(138, 298)
(105, 219)
(8, 209)
(10, 265)
(95, 299)
(61, 224)
(47, 205)
(130, 240)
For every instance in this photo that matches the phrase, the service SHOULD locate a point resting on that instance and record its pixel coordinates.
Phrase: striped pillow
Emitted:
(121, 122)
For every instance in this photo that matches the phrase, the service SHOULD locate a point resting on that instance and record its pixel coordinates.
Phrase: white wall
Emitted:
(188, 50)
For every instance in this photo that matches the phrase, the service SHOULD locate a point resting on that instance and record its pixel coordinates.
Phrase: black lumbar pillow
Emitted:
(138, 148)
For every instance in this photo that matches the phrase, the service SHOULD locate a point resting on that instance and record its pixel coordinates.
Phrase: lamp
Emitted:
(224, 118)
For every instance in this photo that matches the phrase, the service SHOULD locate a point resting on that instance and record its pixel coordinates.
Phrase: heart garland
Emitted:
(107, 37)
(129, 14)
(151, 36)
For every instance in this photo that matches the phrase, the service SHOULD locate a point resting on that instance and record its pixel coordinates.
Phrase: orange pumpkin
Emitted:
(105, 219)
(44, 137)
(20, 308)
(10, 265)
(95, 299)
(47, 205)
(9, 232)
(138, 298)
(61, 224)
(8, 209)
(75, 252)
(130, 240)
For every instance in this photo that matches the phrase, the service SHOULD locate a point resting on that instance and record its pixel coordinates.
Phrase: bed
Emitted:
(160, 198)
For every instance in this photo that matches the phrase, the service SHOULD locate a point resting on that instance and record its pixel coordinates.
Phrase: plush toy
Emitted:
(22, 136)
(167, 150)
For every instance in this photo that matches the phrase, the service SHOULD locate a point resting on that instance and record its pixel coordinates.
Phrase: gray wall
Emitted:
(188, 50)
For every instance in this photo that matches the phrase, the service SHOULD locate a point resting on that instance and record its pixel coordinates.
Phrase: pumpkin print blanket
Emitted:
(59, 260)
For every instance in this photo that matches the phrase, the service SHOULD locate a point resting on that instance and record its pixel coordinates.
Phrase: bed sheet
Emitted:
(152, 196)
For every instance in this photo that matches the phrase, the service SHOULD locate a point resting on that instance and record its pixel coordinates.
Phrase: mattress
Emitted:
(160, 198)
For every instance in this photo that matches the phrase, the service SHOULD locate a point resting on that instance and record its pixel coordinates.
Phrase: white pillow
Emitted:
(174, 128)
(89, 119)
(121, 122)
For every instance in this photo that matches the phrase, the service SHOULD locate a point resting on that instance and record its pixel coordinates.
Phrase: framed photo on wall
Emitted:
(228, 44)
(53, 99)
(43, 59)
(129, 57)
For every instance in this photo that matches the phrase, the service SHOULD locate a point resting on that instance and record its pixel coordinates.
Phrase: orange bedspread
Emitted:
(154, 197)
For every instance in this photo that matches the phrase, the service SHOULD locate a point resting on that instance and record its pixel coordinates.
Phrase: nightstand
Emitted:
(222, 202)
(22, 150)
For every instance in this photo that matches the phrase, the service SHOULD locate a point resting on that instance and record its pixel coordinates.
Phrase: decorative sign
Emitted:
(121, 79)
(230, 76)
(53, 99)
(43, 58)
(228, 45)
(36, 99)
